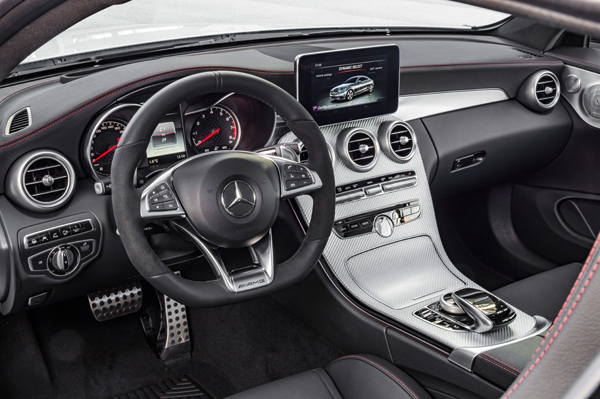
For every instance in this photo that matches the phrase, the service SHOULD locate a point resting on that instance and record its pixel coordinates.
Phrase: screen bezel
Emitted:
(304, 86)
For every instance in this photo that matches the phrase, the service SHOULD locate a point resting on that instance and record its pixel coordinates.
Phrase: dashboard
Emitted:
(200, 125)
(458, 100)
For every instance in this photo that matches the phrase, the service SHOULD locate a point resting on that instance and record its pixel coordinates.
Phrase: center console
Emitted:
(385, 249)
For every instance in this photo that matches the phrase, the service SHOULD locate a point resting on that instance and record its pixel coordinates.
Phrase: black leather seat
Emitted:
(349, 377)
(542, 294)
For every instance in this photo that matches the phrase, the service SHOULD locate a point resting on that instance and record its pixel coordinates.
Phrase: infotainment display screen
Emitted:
(337, 86)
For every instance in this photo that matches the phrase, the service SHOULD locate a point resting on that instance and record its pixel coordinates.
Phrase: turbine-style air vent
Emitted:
(41, 181)
(540, 92)
(397, 140)
(18, 121)
(546, 90)
(358, 149)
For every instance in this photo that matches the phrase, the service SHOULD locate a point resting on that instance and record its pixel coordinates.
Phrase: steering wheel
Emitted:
(223, 199)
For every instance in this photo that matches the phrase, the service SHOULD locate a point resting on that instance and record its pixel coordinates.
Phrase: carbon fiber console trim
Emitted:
(405, 246)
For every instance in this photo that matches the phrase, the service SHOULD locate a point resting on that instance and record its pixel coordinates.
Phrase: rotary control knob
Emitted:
(383, 226)
(63, 260)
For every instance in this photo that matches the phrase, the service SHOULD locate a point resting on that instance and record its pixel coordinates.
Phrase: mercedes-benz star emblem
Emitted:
(238, 198)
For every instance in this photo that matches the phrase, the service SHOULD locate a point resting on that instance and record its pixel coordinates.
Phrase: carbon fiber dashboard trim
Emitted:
(404, 245)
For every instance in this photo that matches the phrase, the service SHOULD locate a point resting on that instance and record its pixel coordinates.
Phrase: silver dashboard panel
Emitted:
(402, 247)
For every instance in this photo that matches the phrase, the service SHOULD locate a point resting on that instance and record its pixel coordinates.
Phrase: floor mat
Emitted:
(67, 354)
(174, 388)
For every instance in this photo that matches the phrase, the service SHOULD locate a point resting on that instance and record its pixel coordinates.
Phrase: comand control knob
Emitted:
(63, 260)
(383, 226)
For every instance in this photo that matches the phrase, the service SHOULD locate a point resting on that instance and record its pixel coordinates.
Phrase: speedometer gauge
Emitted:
(215, 129)
(103, 144)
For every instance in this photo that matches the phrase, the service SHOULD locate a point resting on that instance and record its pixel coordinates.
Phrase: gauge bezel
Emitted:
(231, 112)
(105, 116)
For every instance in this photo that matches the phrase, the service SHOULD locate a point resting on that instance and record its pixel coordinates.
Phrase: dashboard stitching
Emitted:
(25, 88)
(106, 94)
(571, 58)
(569, 313)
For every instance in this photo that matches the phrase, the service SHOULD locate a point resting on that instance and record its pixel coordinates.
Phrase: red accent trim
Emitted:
(381, 369)
(500, 361)
(497, 365)
(564, 320)
(130, 84)
(574, 59)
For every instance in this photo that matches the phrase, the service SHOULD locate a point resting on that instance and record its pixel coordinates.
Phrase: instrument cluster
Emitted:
(202, 125)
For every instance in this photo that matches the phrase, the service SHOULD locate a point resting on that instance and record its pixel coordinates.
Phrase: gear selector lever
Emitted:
(488, 312)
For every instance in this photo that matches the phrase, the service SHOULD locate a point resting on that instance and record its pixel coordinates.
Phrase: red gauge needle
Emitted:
(107, 151)
(209, 136)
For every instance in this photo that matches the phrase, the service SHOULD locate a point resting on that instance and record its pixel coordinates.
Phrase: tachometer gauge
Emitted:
(103, 144)
(215, 129)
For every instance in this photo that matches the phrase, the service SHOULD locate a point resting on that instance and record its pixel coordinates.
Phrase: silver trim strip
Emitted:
(464, 357)
(417, 106)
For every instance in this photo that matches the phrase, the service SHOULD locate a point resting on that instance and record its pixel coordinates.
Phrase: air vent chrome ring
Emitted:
(358, 149)
(18, 121)
(540, 92)
(51, 168)
(398, 141)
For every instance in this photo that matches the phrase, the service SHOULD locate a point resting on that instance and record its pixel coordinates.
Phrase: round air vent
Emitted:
(540, 91)
(41, 181)
(358, 149)
(397, 140)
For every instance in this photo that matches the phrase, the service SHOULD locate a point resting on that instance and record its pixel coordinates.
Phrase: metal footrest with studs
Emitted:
(116, 302)
(167, 329)
(184, 387)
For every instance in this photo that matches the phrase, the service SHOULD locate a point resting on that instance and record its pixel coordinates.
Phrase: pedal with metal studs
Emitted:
(166, 326)
(116, 302)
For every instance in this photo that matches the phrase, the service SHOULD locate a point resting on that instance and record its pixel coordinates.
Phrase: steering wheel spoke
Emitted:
(259, 274)
(296, 179)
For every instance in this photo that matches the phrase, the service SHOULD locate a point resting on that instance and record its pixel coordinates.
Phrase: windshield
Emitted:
(150, 21)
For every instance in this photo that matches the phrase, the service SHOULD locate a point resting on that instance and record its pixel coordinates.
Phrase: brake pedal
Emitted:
(116, 302)
(167, 330)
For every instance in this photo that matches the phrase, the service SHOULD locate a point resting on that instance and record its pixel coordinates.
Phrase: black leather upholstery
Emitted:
(542, 294)
(350, 377)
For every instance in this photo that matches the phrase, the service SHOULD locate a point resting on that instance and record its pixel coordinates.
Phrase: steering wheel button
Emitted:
(305, 182)
(162, 187)
(291, 176)
(291, 184)
(301, 169)
(156, 207)
(288, 167)
(170, 206)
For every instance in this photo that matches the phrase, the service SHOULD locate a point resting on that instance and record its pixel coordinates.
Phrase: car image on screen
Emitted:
(351, 88)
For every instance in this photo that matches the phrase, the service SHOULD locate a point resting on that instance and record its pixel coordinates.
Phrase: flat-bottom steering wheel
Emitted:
(223, 199)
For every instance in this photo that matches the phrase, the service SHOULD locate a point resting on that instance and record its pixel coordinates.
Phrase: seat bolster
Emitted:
(313, 384)
(365, 376)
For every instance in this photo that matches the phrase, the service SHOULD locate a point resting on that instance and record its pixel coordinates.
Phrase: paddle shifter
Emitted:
(487, 311)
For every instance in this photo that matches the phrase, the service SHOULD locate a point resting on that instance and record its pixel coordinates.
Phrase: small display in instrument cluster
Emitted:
(166, 146)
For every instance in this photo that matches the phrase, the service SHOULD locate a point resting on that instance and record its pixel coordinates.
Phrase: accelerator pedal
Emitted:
(173, 388)
(167, 330)
(116, 302)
